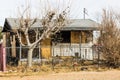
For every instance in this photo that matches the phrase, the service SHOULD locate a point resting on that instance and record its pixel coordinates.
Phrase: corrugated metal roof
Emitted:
(75, 24)
(14, 23)
(82, 24)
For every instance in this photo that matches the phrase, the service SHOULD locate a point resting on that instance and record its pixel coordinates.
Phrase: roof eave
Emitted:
(80, 28)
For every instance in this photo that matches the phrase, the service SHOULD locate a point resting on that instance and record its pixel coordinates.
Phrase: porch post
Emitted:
(92, 45)
(20, 52)
(80, 42)
(40, 53)
(4, 39)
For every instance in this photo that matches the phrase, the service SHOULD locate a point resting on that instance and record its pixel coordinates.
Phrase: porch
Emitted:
(83, 51)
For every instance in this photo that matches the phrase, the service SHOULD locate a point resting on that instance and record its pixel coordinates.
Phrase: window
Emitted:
(65, 36)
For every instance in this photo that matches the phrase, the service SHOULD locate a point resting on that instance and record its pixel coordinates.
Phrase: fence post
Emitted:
(4, 59)
(98, 57)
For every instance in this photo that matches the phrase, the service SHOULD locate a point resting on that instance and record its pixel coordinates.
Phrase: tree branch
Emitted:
(20, 39)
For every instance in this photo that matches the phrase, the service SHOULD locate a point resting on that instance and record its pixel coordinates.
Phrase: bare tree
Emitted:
(109, 40)
(51, 23)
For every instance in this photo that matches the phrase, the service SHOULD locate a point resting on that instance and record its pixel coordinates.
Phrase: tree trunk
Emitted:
(29, 60)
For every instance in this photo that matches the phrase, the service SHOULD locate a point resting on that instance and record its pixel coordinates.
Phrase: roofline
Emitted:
(66, 28)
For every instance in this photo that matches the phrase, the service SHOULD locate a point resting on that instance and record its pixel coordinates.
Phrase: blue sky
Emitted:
(9, 8)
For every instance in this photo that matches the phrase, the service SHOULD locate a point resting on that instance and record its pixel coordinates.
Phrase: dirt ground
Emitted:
(82, 75)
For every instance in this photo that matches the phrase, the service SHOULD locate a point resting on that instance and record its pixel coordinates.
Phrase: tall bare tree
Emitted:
(51, 22)
(109, 40)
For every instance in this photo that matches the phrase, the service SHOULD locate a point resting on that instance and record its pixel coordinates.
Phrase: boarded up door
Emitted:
(46, 48)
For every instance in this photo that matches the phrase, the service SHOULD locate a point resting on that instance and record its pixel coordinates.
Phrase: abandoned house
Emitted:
(77, 37)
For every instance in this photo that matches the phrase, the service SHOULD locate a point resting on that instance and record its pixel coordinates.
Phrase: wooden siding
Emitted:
(46, 48)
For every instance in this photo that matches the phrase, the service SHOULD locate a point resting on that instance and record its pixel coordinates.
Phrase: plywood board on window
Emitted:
(46, 48)
(75, 36)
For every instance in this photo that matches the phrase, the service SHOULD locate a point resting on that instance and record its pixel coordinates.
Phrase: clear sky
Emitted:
(9, 8)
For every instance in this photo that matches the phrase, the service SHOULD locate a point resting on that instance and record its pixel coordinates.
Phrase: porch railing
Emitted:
(84, 52)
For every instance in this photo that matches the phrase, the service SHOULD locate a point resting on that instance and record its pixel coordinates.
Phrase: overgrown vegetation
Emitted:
(109, 41)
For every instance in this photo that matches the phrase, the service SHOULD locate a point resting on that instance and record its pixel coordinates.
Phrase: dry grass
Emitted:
(47, 69)
(45, 72)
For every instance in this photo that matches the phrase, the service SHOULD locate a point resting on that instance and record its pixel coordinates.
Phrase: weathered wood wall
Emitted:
(83, 37)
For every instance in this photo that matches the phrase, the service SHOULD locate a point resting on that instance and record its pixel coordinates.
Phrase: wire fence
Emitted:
(87, 53)
(73, 55)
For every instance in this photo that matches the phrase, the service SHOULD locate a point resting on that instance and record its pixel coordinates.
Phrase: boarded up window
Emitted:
(75, 36)
(86, 36)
